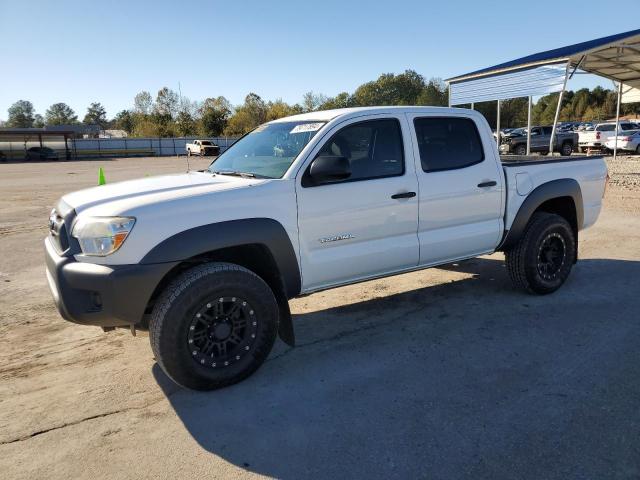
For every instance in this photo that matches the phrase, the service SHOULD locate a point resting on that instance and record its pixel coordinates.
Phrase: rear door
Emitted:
(461, 187)
(367, 224)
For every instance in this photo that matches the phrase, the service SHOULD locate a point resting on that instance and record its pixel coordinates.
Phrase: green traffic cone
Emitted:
(101, 180)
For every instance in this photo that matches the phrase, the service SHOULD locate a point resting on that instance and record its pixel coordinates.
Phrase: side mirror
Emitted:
(329, 168)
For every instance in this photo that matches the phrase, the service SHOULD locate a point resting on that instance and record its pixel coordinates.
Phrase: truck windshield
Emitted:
(267, 151)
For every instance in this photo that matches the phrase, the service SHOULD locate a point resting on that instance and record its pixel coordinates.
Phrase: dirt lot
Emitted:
(445, 373)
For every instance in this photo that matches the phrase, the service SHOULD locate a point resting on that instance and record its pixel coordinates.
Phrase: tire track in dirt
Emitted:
(14, 229)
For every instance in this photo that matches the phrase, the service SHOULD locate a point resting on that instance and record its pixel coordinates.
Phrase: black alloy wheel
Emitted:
(222, 331)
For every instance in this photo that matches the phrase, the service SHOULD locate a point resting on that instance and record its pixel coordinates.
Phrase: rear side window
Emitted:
(374, 149)
(447, 143)
(605, 128)
(626, 126)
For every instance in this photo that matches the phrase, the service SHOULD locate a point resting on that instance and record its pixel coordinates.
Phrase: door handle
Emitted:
(491, 183)
(403, 195)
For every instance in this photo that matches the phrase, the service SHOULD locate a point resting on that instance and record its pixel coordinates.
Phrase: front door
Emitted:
(539, 141)
(364, 225)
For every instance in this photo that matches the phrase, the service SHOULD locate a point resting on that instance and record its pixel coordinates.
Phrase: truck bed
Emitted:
(519, 160)
(524, 173)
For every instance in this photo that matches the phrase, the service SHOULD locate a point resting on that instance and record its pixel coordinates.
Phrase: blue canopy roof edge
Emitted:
(554, 55)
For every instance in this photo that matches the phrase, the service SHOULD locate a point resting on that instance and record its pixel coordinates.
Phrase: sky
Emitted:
(81, 52)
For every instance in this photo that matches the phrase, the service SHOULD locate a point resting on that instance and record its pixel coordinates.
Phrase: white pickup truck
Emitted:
(202, 148)
(207, 260)
(597, 138)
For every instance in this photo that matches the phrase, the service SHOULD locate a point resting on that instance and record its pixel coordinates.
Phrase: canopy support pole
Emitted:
(615, 141)
(555, 119)
(529, 125)
(473, 106)
(498, 127)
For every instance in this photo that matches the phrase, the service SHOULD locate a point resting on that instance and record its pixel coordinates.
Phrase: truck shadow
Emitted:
(457, 380)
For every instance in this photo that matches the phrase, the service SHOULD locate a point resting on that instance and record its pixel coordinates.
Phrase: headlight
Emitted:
(102, 236)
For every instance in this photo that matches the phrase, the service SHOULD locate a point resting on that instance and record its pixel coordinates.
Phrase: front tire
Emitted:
(542, 260)
(521, 150)
(213, 326)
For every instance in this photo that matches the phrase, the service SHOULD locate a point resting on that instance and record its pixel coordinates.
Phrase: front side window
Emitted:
(267, 151)
(447, 143)
(374, 149)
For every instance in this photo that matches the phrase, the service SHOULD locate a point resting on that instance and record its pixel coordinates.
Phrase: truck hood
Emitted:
(144, 190)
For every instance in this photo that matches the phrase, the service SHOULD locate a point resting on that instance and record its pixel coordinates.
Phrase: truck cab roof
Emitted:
(345, 113)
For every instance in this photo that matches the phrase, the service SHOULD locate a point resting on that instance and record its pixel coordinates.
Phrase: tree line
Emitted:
(170, 115)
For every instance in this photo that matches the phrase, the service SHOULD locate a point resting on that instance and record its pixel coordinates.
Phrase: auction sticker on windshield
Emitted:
(306, 127)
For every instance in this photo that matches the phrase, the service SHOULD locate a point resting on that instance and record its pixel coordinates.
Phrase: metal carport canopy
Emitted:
(616, 57)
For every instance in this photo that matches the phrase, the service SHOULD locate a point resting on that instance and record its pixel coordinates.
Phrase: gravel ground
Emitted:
(444, 373)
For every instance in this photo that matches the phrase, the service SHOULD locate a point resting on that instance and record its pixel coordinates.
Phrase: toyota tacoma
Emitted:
(207, 260)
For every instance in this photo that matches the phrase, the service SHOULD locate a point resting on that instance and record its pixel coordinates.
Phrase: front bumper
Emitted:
(504, 148)
(106, 296)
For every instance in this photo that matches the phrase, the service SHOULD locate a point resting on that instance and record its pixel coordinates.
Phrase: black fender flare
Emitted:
(233, 233)
(565, 187)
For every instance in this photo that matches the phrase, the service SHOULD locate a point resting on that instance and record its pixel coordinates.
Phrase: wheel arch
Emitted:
(562, 197)
(259, 244)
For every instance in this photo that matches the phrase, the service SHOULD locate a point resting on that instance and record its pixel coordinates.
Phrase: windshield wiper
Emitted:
(238, 174)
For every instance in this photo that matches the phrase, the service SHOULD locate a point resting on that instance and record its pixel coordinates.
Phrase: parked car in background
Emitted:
(564, 142)
(567, 126)
(629, 142)
(41, 153)
(203, 148)
(600, 134)
(584, 126)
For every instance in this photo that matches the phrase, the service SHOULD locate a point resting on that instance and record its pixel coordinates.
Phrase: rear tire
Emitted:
(213, 326)
(542, 260)
(566, 149)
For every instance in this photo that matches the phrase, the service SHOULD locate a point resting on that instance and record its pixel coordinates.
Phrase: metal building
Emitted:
(616, 57)
(27, 143)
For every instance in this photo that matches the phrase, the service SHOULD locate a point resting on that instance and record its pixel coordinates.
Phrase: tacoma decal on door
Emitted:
(346, 236)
